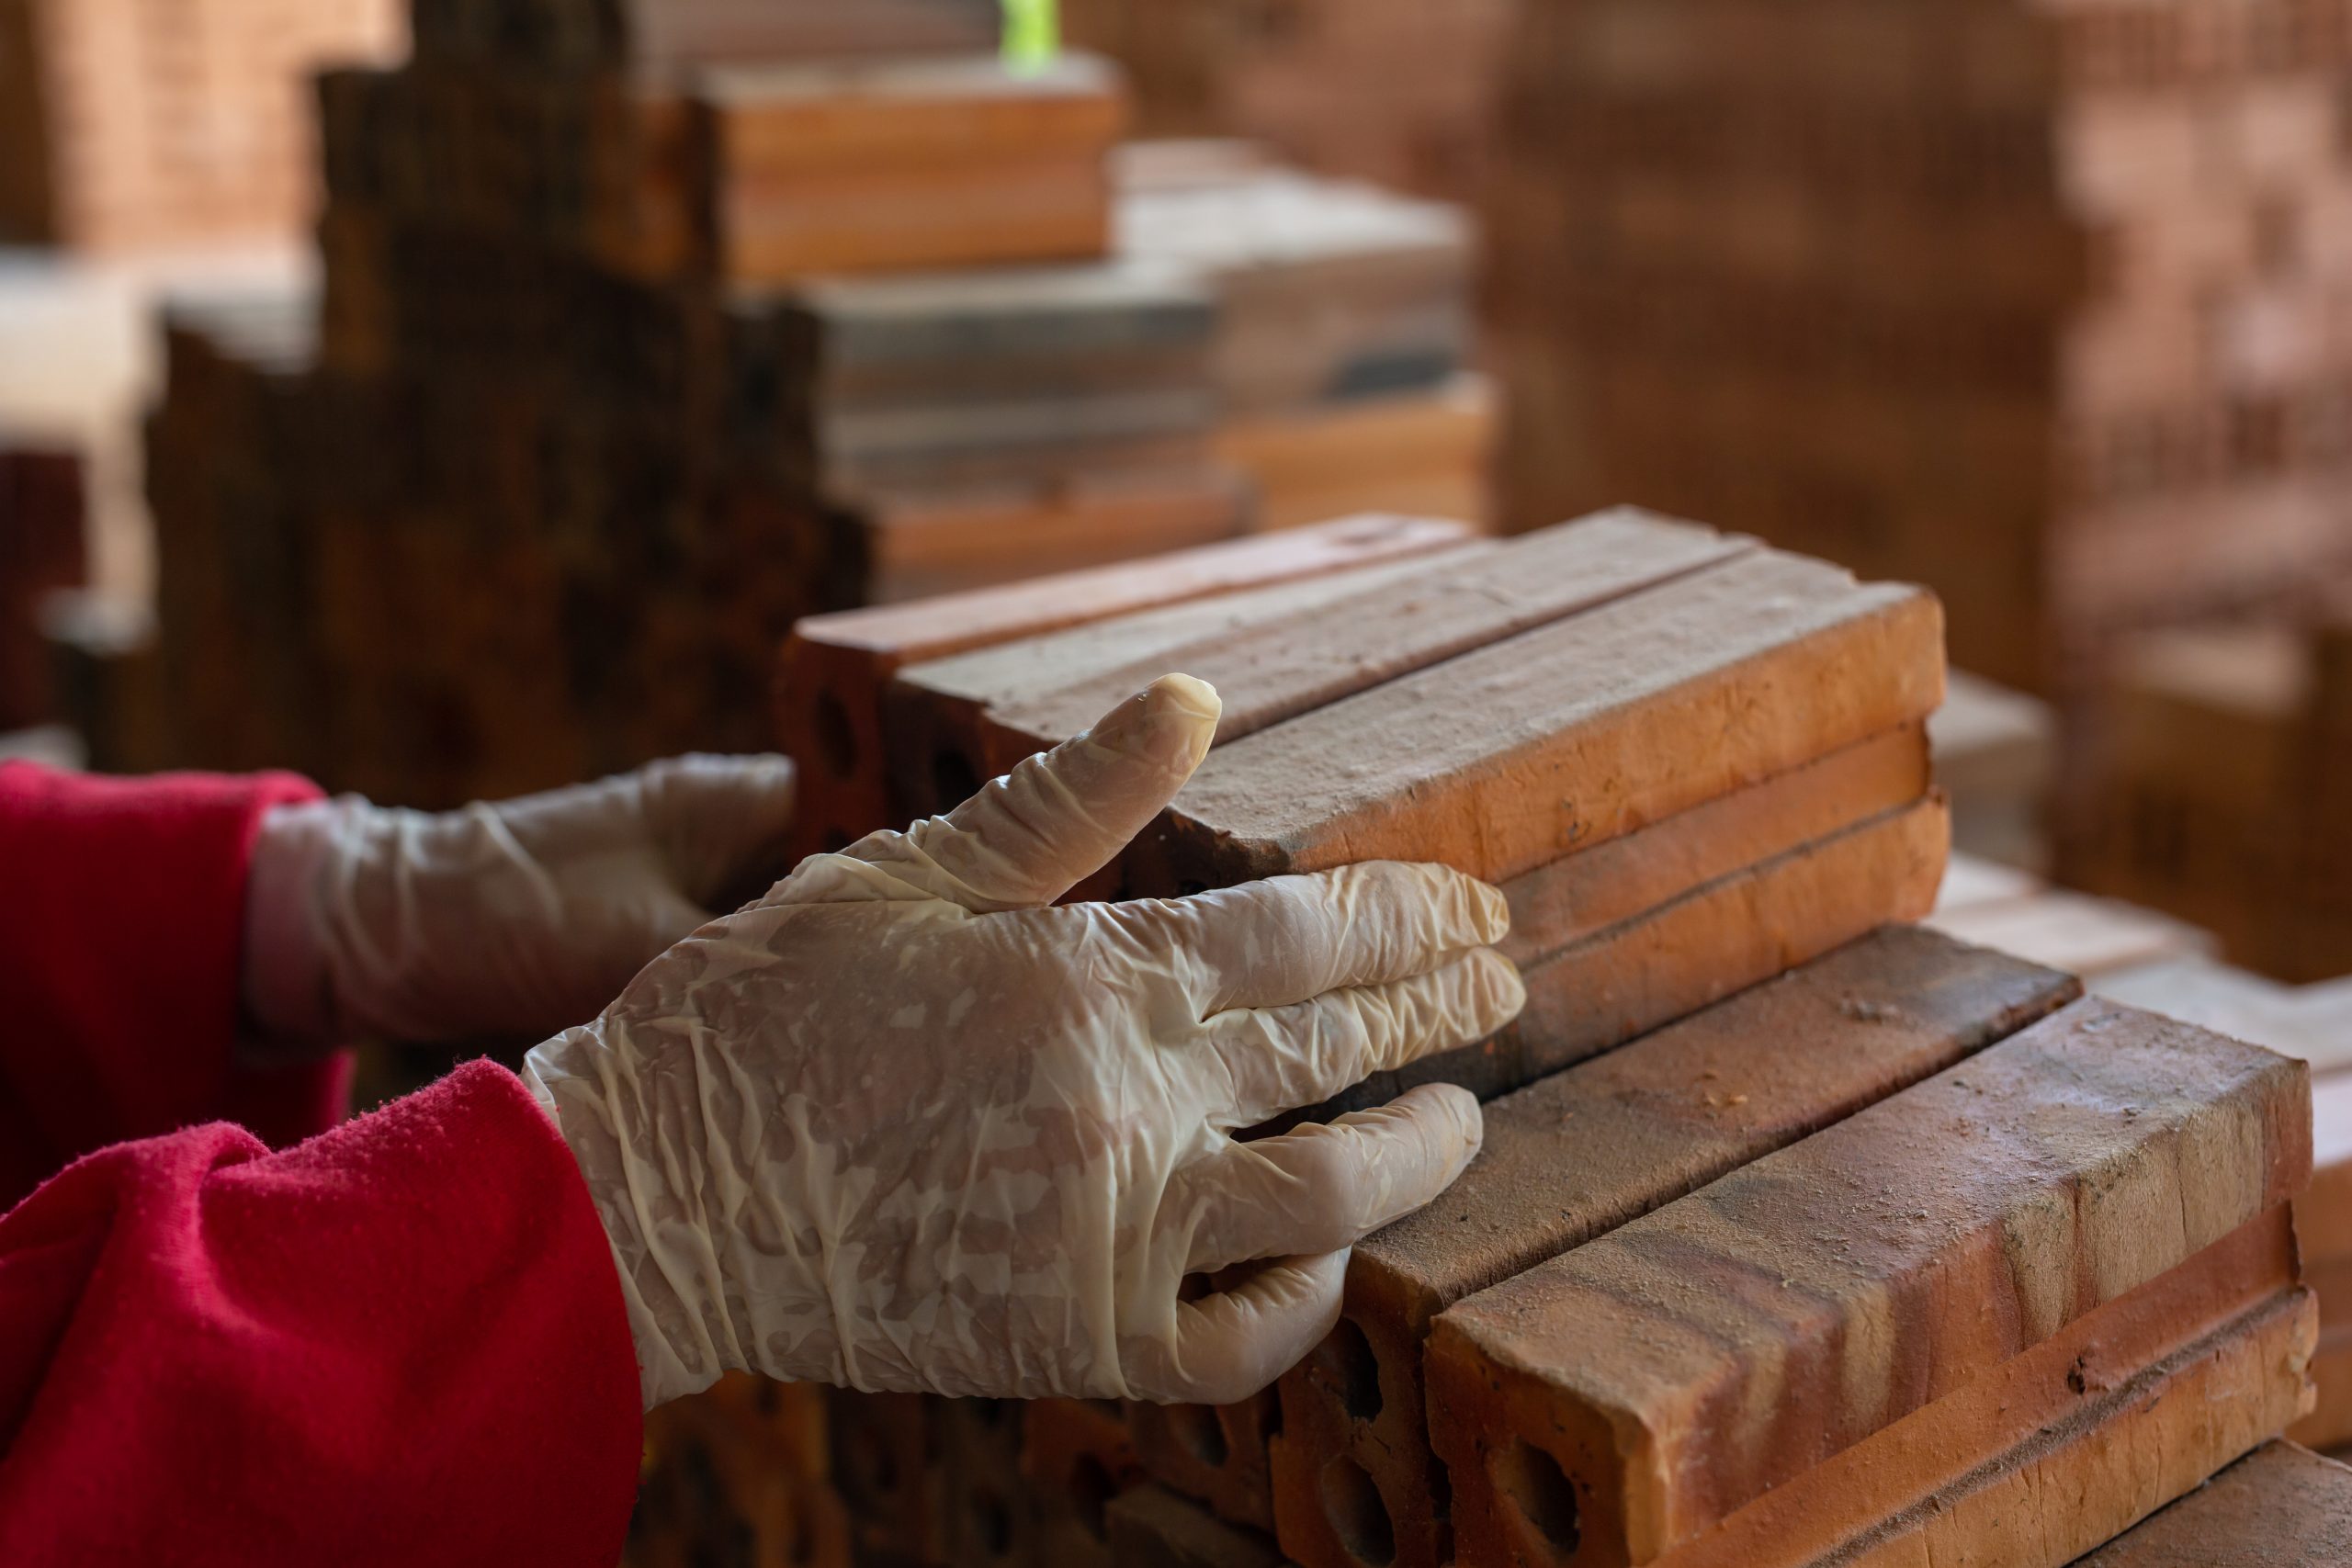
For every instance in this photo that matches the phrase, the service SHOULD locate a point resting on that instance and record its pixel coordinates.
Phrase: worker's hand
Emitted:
(513, 919)
(904, 1126)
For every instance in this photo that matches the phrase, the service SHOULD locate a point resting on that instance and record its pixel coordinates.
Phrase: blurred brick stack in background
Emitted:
(2218, 786)
(1385, 90)
(130, 126)
(2044, 306)
(644, 332)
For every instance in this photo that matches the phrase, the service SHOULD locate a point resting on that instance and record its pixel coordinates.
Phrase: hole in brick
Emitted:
(991, 1523)
(767, 1396)
(1091, 1490)
(877, 1466)
(836, 742)
(1358, 1516)
(991, 1412)
(1196, 1429)
(1347, 1367)
(1544, 1497)
(955, 779)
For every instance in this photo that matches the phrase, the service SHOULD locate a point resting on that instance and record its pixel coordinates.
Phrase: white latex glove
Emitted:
(901, 1125)
(509, 919)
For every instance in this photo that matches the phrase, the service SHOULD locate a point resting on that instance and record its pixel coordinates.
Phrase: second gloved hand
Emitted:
(905, 1125)
(498, 920)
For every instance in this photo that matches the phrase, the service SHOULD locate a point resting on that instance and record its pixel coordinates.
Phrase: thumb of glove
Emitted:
(1030, 837)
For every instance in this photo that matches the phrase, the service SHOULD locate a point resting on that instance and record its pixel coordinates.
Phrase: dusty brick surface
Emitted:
(1576, 1154)
(1692, 1360)
(834, 669)
(2280, 1506)
(1505, 759)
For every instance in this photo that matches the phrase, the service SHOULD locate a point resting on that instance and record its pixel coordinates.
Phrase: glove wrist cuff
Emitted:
(288, 983)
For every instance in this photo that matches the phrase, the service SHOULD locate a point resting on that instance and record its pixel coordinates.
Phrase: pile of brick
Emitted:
(126, 126)
(1385, 90)
(1800, 1235)
(2034, 304)
(2214, 788)
(634, 346)
(1343, 327)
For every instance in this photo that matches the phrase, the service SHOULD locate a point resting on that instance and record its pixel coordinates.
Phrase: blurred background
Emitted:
(457, 398)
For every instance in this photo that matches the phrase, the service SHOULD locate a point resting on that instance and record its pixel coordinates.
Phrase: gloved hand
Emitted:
(512, 920)
(903, 1125)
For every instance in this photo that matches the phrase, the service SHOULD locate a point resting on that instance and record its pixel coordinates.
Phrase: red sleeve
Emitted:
(121, 921)
(401, 1342)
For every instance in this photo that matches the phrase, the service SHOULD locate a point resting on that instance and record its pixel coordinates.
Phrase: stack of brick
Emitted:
(633, 348)
(1909, 1252)
(132, 127)
(2214, 788)
(1798, 1235)
(2036, 304)
(559, 408)
(41, 553)
(1383, 90)
(1344, 330)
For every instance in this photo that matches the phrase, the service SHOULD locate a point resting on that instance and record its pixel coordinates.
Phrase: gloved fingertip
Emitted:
(1494, 911)
(1500, 993)
(1174, 719)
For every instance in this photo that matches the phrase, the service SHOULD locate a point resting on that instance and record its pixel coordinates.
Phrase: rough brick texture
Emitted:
(2039, 1460)
(1506, 759)
(832, 670)
(1582, 1152)
(2280, 1506)
(1692, 1360)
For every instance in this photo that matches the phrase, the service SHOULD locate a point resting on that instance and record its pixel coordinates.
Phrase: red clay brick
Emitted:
(1591, 727)
(2280, 1506)
(1690, 1360)
(832, 670)
(2068, 1444)
(1719, 938)
(1583, 1151)
(1282, 668)
(935, 713)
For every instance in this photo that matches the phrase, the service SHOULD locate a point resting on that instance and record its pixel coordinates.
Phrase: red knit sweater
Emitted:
(402, 1341)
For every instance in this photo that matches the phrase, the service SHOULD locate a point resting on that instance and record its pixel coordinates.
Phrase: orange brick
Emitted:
(832, 670)
(1858, 1276)
(2280, 1504)
(1589, 727)
(1583, 1151)
(2038, 1460)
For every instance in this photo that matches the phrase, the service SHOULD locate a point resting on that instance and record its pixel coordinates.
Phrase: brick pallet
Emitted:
(2030, 304)
(2212, 787)
(134, 128)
